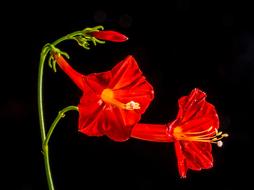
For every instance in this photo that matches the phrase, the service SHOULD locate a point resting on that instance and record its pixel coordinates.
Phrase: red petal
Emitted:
(193, 155)
(125, 73)
(107, 120)
(195, 113)
(129, 84)
(90, 113)
(182, 167)
(118, 125)
(197, 154)
(110, 36)
(190, 105)
(97, 82)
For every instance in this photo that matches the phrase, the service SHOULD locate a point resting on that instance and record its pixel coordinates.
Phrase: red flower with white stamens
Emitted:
(112, 101)
(192, 132)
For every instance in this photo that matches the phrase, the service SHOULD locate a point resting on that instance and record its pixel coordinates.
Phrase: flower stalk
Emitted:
(83, 38)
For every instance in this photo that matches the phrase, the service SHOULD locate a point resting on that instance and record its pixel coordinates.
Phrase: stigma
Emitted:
(211, 135)
(107, 96)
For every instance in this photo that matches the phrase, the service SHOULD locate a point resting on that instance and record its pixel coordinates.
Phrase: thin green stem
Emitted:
(47, 167)
(67, 37)
(44, 53)
(45, 147)
(44, 139)
(60, 115)
(45, 50)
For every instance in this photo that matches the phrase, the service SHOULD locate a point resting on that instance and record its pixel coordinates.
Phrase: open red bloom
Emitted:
(194, 129)
(192, 132)
(109, 35)
(112, 101)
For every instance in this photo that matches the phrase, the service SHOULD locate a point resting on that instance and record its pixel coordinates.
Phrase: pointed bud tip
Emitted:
(126, 38)
(122, 39)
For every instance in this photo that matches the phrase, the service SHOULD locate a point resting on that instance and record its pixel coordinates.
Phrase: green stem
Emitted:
(40, 97)
(47, 167)
(60, 115)
(44, 53)
(45, 147)
(67, 37)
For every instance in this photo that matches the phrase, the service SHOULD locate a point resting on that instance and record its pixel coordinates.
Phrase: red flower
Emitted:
(112, 101)
(192, 132)
(109, 35)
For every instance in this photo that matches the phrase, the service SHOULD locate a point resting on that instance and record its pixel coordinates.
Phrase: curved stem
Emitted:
(40, 96)
(67, 37)
(43, 56)
(60, 115)
(44, 53)
(45, 147)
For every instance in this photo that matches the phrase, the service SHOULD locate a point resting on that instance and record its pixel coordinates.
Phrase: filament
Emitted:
(208, 135)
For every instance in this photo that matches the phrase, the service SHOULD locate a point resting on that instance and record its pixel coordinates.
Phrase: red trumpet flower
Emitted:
(109, 35)
(192, 132)
(112, 101)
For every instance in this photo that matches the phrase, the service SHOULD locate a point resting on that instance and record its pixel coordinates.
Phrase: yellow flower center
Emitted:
(208, 135)
(107, 96)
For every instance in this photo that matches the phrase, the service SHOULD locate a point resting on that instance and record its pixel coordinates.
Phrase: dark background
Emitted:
(179, 45)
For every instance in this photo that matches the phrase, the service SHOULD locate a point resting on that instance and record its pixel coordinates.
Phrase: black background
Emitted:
(179, 45)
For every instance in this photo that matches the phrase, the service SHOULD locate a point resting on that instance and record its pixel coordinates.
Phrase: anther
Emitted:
(132, 105)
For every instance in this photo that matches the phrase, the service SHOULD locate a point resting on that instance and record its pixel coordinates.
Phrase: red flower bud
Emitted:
(109, 35)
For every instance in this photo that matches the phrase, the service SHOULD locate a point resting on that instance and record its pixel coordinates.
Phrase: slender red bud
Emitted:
(109, 35)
